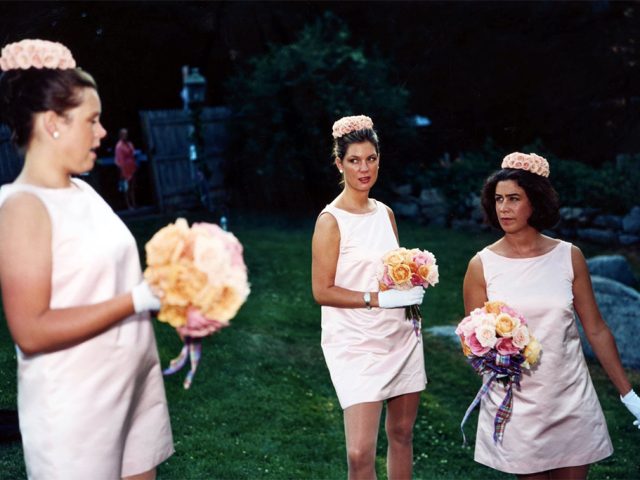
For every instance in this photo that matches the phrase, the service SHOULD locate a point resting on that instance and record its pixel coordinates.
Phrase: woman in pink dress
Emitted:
(91, 398)
(125, 159)
(372, 352)
(557, 428)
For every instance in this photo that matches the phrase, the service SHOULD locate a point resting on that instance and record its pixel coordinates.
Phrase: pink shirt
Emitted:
(125, 159)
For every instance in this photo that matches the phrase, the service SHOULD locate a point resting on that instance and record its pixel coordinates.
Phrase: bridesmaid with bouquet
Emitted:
(557, 428)
(372, 352)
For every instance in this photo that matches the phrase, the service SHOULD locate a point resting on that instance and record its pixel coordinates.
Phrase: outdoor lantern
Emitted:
(194, 87)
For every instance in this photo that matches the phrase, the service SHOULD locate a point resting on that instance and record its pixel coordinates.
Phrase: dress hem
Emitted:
(386, 397)
(563, 463)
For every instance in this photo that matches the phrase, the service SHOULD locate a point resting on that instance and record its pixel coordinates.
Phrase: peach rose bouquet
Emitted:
(199, 274)
(497, 342)
(403, 269)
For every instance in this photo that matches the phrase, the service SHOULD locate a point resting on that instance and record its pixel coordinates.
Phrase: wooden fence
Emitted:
(167, 139)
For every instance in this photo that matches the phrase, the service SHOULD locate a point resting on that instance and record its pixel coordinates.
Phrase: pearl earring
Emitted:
(56, 134)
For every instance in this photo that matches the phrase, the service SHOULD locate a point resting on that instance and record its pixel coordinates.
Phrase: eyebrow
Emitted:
(507, 195)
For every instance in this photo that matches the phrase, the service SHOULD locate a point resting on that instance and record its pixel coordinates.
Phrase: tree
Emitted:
(285, 103)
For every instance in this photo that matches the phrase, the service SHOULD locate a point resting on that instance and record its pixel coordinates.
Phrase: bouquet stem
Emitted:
(414, 315)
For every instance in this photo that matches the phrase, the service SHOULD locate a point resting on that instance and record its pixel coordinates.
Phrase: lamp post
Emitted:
(194, 89)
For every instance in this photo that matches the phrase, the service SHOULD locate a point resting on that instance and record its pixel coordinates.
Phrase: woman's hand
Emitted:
(400, 298)
(143, 298)
(632, 402)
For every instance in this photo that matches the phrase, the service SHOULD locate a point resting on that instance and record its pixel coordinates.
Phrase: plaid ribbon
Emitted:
(481, 393)
(503, 414)
(192, 349)
(505, 369)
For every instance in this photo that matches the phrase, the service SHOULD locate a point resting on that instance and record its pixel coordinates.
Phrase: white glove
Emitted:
(632, 402)
(400, 298)
(143, 298)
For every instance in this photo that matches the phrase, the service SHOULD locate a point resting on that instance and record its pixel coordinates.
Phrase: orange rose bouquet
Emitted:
(403, 269)
(201, 278)
(496, 340)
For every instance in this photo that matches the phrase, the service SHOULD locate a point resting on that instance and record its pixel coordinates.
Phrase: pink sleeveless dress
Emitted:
(557, 420)
(98, 409)
(372, 355)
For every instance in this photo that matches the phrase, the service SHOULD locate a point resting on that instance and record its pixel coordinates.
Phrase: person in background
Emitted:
(557, 428)
(373, 353)
(91, 398)
(125, 159)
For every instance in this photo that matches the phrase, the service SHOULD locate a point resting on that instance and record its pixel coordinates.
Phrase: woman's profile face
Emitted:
(360, 166)
(81, 132)
(513, 207)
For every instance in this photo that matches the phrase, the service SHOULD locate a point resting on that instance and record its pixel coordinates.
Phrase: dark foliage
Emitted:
(285, 104)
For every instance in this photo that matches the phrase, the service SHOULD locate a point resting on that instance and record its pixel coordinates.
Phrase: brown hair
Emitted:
(24, 93)
(541, 194)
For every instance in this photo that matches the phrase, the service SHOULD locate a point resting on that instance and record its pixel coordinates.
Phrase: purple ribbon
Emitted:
(192, 349)
(414, 314)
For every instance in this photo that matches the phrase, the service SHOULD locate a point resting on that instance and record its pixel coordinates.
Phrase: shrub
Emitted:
(285, 104)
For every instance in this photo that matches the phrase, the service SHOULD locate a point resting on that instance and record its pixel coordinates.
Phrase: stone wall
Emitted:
(588, 224)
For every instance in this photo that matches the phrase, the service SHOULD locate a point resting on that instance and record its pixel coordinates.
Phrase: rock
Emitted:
(595, 235)
(577, 215)
(475, 204)
(406, 209)
(433, 208)
(403, 190)
(614, 267)
(631, 221)
(619, 306)
(628, 239)
(565, 232)
(431, 196)
(608, 221)
(448, 331)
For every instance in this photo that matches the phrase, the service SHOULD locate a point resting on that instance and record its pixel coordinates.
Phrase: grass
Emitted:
(262, 404)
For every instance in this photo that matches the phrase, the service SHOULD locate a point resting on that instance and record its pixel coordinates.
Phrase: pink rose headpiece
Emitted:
(532, 163)
(351, 124)
(36, 54)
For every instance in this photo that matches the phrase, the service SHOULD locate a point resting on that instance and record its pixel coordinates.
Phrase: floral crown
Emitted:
(351, 124)
(36, 54)
(532, 163)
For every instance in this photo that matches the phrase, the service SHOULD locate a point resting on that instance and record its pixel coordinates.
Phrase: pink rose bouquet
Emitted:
(403, 269)
(201, 279)
(497, 342)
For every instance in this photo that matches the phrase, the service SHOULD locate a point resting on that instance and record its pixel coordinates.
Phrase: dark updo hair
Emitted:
(24, 93)
(341, 144)
(542, 196)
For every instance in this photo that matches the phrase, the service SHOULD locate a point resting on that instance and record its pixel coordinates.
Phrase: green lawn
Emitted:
(262, 404)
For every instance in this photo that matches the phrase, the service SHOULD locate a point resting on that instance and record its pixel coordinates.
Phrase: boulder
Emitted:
(403, 190)
(619, 306)
(615, 267)
(595, 235)
(577, 215)
(431, 196)
(447, 331)
(608, 221)
(406, 209)
(626, 240)
(631, 221)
